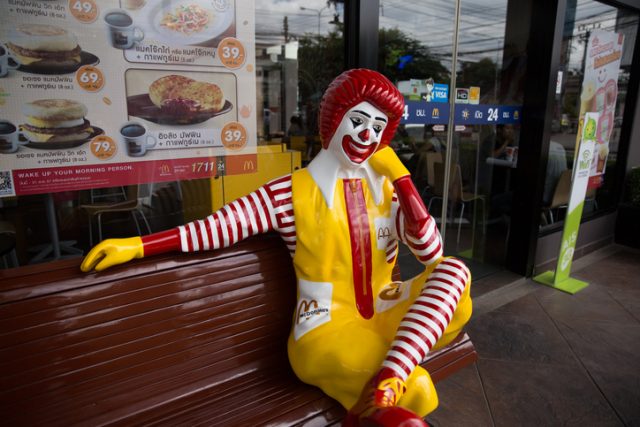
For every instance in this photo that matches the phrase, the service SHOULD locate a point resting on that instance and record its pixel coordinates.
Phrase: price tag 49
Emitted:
(85, 11)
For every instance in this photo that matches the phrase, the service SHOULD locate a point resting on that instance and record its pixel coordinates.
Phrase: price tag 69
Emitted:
(90, 78)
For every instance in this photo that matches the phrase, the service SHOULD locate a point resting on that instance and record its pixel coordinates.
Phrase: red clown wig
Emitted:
(353, 87)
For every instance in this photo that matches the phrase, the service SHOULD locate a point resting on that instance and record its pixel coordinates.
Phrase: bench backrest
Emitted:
(99, 348)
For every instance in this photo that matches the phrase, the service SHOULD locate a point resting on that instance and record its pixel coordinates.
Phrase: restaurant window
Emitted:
(597, 47)
(278, 56)
(416, 46)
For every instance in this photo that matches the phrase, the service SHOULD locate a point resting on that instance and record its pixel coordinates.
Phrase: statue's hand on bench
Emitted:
(112, 252)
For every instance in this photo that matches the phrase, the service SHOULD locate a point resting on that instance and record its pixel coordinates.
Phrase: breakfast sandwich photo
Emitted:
(57, 123)
(46, 49)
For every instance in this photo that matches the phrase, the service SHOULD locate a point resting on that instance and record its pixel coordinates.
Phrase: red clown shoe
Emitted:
(377, 405)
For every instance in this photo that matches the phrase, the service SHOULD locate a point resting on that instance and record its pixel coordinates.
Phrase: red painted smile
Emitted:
(356, 151)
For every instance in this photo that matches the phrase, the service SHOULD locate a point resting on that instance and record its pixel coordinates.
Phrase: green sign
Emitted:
(560, 279)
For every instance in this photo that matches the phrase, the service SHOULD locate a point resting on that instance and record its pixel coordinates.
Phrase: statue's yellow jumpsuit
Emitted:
(332, 345)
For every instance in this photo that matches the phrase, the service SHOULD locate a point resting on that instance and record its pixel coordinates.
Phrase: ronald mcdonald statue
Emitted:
(356, 334)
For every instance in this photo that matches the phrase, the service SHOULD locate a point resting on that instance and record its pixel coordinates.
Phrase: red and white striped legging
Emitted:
(428, 317)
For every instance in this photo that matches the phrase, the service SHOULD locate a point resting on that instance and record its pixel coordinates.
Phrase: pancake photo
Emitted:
(47, 49)
(57, 123)
(176, 99)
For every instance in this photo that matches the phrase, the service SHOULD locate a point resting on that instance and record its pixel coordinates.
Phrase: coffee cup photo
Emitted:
(135, 139)
(7, 62)
(10, 140)
(121, 32)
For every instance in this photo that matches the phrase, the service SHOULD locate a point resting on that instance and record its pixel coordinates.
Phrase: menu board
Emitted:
(117, 92)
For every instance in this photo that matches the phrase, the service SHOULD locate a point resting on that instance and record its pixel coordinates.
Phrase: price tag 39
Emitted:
(231, 53)
(234, 136)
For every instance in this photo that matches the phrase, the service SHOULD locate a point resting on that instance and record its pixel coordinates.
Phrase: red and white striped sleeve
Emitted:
(426, 244)
(266, 209)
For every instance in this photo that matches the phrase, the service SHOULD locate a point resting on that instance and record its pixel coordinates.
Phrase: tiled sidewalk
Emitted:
(552, 359)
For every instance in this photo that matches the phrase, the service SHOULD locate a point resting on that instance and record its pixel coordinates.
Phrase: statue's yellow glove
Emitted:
(386, 163)
(112, 252)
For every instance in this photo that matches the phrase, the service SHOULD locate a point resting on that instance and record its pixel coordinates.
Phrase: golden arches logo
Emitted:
(384, 233)
(305, 309)
(165, 168)
(248, 165)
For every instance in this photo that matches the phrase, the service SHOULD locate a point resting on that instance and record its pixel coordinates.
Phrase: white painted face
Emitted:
(358, 135)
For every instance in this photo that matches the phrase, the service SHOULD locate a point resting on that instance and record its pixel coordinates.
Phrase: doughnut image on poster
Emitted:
(43, 49)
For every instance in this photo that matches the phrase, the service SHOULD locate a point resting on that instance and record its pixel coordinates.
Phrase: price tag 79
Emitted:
(103, 147)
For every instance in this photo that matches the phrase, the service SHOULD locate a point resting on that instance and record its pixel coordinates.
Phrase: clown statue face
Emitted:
(359, 114)
(346, 156)
(358, 135)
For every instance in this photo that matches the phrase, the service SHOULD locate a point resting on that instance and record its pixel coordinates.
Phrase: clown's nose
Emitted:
(364, 135)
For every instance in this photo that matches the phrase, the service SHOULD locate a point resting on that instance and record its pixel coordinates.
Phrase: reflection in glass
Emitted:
(299, 50)
(415, 52)
(582, 19)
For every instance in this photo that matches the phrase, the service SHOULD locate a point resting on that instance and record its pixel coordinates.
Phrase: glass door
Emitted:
(465, 172)
(491, 67)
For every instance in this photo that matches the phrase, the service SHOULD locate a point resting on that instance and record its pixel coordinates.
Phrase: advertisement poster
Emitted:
(599, 93)
(424, 90)
(560, 279)
(118, 92)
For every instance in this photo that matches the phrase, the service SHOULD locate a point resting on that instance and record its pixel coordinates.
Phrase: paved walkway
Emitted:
(547, 358)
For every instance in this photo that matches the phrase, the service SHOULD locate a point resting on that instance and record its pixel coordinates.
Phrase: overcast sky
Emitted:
(482, 23)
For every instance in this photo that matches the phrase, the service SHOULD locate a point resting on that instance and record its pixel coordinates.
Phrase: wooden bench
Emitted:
(184, 339)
